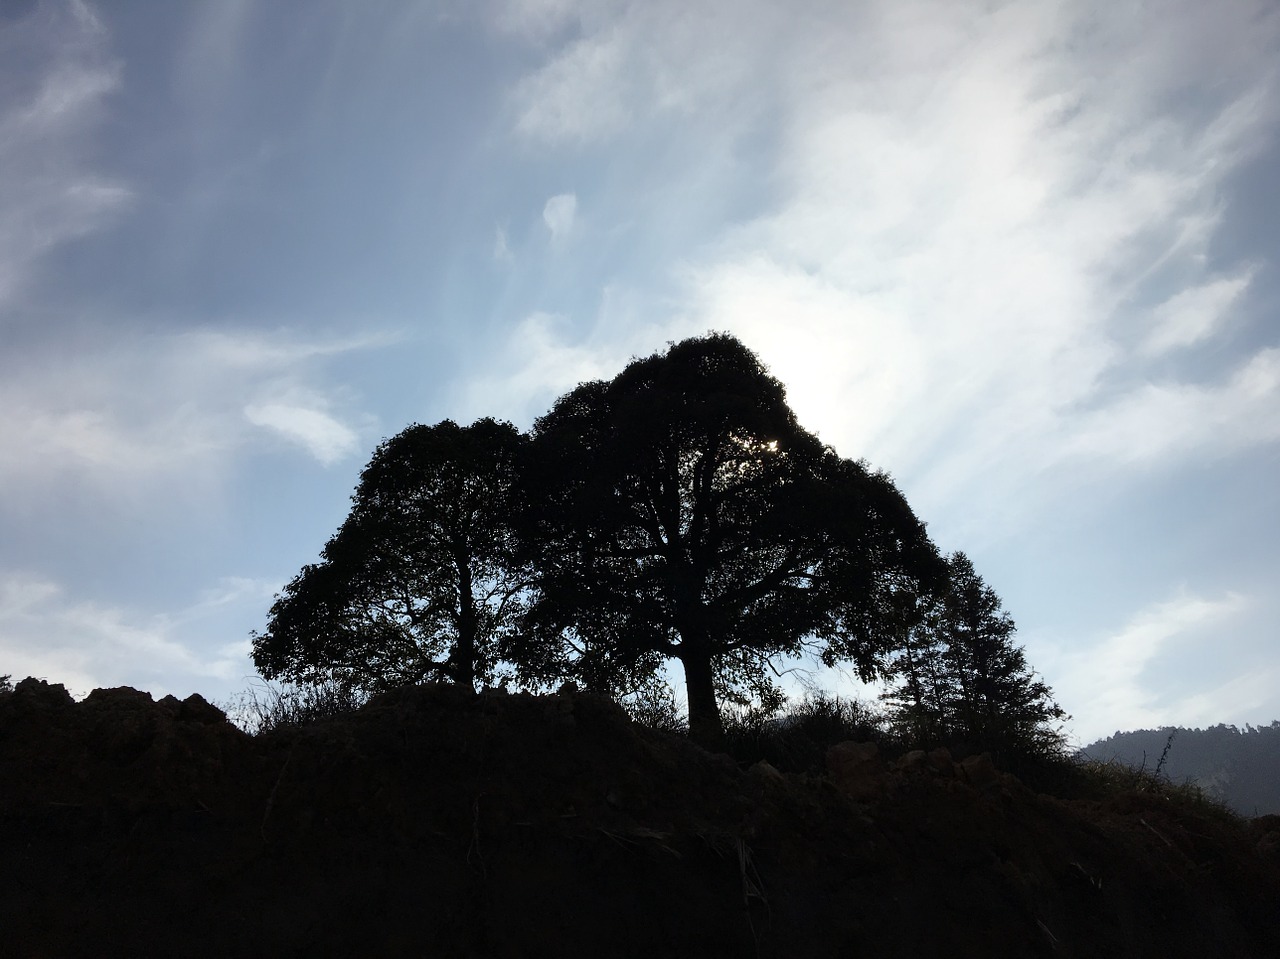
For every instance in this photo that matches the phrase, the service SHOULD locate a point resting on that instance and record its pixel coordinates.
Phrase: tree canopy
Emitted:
(421, 580)
(675, 512)
(680, 511)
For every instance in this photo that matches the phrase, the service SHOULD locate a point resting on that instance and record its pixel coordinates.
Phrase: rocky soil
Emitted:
(439, 822)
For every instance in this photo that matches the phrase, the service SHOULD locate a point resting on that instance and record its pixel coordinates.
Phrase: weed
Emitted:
(265, 707)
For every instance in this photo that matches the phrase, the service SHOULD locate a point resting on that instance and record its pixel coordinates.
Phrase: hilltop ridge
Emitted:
(434, 820)
(1239, 767)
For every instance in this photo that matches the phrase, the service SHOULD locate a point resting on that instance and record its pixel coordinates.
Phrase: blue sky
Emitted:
(1021, 255)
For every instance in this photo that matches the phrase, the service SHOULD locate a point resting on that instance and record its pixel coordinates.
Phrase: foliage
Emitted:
(267, 707)
(421, 580)
(654, 706)
(6, 683)
(961, 681)
(1079, 777)
(679, 511)
(798, 740)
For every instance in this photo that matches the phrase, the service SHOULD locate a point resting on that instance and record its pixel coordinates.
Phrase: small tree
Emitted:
(421, 581)
(680, 511)
(919, 704)
(960, 678)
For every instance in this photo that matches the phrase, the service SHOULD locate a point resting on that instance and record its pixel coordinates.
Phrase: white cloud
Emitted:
(319, 433)
(559, 214)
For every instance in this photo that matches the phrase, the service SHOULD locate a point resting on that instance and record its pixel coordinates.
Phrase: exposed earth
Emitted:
(435, 821)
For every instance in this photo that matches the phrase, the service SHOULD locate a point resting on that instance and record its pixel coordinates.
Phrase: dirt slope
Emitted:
(438, 822)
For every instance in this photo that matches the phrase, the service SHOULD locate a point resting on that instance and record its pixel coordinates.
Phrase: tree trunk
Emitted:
(464, 651)
(705, 727)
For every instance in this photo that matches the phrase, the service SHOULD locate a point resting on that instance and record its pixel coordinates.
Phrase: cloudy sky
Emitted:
(1023, 256)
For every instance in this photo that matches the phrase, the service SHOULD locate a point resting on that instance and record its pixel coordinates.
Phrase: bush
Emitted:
(1081, 777)
(798, 740)
(654, 706)
(265, 707)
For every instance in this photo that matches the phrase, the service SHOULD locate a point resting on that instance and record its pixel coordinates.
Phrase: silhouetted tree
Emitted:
(421, 581)
(679, 511)
(960, 677)
(919, 697)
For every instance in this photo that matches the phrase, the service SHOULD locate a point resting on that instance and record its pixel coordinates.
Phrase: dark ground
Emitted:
(439, 822)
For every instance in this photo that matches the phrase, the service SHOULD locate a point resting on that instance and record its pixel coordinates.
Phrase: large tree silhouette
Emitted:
(421, 581)
(680, 512)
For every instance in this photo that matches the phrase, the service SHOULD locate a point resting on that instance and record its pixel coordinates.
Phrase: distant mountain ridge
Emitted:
(1241, 767)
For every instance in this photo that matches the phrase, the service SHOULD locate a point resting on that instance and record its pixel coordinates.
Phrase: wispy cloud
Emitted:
(537, 364)
(49, 192)
(324, 437)
(536, 19)
(127, 416)
(47, 633)
(1194, 314)
(632, 62)
(1162, 421)
(1107, 681)
(969, 207)
(501, 250)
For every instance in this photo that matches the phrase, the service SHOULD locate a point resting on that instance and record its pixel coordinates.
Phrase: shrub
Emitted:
(654, 706)
(265, 707)
(798, 740)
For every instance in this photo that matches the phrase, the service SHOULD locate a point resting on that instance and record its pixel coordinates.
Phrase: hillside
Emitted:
(1240, 767)
(434, 821)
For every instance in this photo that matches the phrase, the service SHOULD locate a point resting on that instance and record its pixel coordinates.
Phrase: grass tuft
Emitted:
(266, 707)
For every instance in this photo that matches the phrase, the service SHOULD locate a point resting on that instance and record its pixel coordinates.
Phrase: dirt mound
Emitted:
(436, 821)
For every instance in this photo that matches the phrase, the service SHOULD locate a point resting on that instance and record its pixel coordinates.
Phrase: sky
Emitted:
(1024, 256)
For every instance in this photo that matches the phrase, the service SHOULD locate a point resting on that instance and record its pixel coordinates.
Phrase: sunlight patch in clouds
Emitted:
(971, 211)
